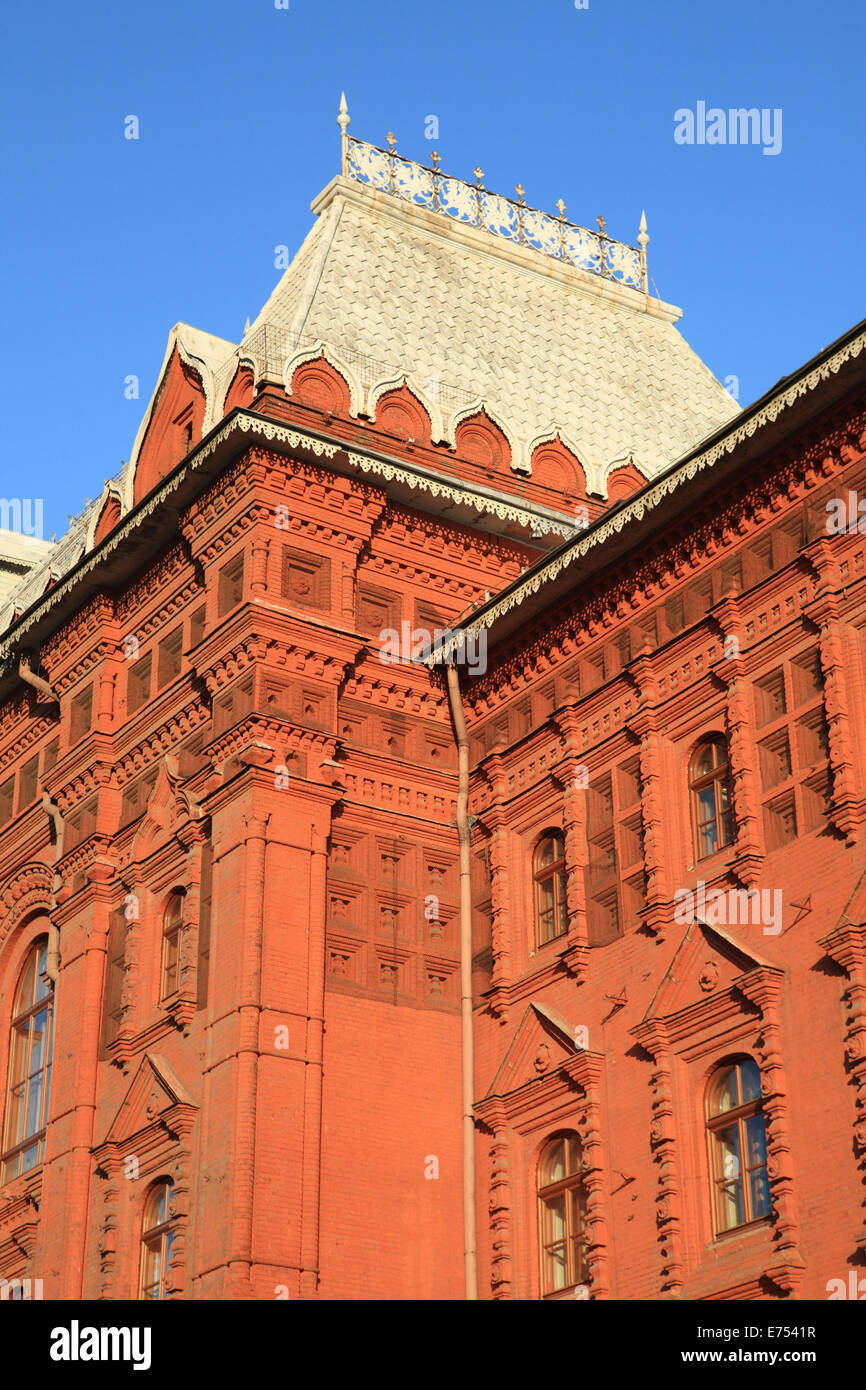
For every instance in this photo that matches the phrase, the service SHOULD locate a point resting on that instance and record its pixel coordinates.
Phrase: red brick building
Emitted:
(251, 868)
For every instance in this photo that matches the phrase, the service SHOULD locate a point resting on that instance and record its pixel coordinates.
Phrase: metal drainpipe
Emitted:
(467, 1047)
(52, 958)
(25, 674)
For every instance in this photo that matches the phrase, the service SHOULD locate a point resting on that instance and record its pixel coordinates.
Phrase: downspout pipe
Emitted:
(52, 957)
(467, 1046)
(30, 678)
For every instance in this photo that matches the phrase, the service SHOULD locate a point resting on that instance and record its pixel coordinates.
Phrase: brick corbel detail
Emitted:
(749, 851)
(653, 1037)
(586, 1069)
(571, 777)
(499, 1201)
(837, 651)
(763, 987)
(846, 945)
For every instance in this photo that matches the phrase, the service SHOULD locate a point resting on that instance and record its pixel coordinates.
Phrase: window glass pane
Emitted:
(728, 1152)
(554, 1219)
(750, 1080)
(38, 1029)
(760, 1189)
(756, 1142)
(42, 990)
(724, 1093)
(557, 1271)
(34, 1105)
(26, 989)
(554, 1166)
(731, 1211)
(546, 853)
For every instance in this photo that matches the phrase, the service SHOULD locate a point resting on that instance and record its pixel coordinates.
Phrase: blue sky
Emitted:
(107, 242)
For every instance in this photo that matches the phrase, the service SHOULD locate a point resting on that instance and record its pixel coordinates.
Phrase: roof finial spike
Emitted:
(343, 122)
(479, 175)
(602, 223)
(392, 140)
(519, 190)
(247, 326)
(561, 208)
(643, 243)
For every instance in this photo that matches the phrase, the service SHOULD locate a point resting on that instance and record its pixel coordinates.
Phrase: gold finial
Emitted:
(561, 206)
(479, 174)
(519, 190)
(392, 140)
(601, 224)
(436, 161)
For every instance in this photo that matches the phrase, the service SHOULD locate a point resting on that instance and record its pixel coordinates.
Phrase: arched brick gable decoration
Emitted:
(27, 891)
(108, 519)
(400, 413)
(241, 390)
(319, 385)
(177, 419)
(556, 467)
(622, 482)
(478, 439)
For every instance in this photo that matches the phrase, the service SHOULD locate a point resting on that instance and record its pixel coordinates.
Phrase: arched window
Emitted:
(157, 1239)
(737, 1140)
(710, 787)
(561, 1216)
(173, 928)
(548, 871)
(29, 1085)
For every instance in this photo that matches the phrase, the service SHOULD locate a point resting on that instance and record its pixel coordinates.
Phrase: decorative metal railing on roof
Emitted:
(475, 206)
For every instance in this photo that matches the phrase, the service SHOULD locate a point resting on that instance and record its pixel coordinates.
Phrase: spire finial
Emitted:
(643, 243)
(519, 190)
(435, 158)
(561, 209)
(392, 140)
(479, 174)
(601, 224)
(343, 122)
